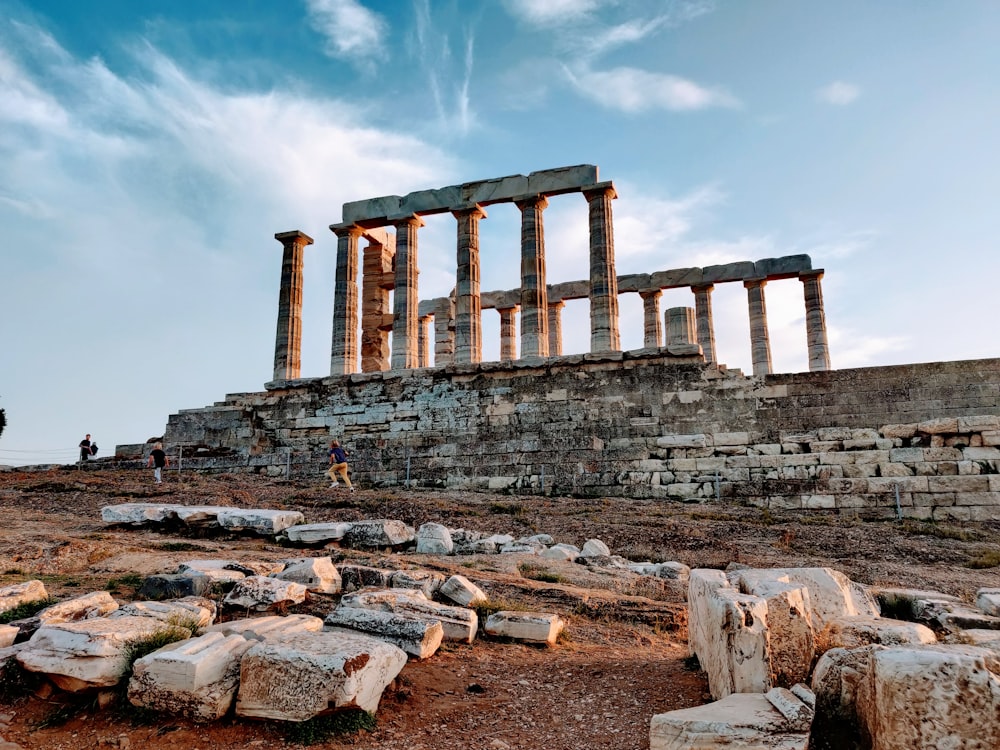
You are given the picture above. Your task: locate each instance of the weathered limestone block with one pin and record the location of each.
(594, 548)
(196, 678)
(8, 634)
(194, 611)
(864, 630)
(459, 623)
(378, 533)
(354, 577)
(522, 547)
(905, 604)
(728, 633)
(988, 600)
(744, 721)
(17, 594)
(831, 593)
(218, 570)
(87, 654)
(791, 634)
(260, 593)
(566, 552)
(297, 677)
(487, 545)
(268, 627)
(533, 627)
(951, 616)
(199, 516)
(176, 586)
(434, 539)
(418, 637)
(260, 521)
(85, 607)
(317, 533)
(426, 581)
(317, 574)
(463, 591)
(138, 514)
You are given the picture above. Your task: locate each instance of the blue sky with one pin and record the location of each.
(150, 150)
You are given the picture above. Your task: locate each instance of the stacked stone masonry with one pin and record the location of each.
(642, 424)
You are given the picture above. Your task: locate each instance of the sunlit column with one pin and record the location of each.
(651, 336)
(680, 326)
(555, 328)
(424, 341)
(819, 350)
(534, 294)
(703, 317)
(444, 332)
(760, 345)
(604, 334)
(508, 334)
(344, 347)
(405, 296)
(376, 317)
(288, 339)
(468, 305)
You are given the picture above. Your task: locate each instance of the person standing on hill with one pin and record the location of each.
(338, 465)
(85, 449)
(158, 459)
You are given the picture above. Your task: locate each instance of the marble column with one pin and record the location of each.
(651, 336)
(423, 341)
(288, 339)
(534, 293)
(819, 350)
(603, 278)
(681, 326)
(444, 331)
(468, 305)
(555, 328)
(376, 317)
(508, 333)
(705, 324)
(405, 296)
(344, 347)
(760, 345)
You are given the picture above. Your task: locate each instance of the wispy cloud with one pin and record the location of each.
(633, 90)
(838, 93)
(552, 12)
(448, 81)
(353, 32)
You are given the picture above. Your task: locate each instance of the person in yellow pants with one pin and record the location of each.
(338, 465)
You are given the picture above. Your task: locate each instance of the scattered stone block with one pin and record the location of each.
(87, 654)
(260, 593)
(864, 630)
(317, 533)
(16, 594)
(425, 581)
(198, 516)
(533, 627)
(317, 574)
(95, 604)
(195, 613)
(434, 539)
(567, 552)
(459, 623)
(269, 627)
(354, 577)
(748, 721)
(594, 548)
(176, 586)
(379, 533)
(298, 677)
(988, 600)
(487, 545)
(138, 514)
(417, 636)
(791, 635)
(218, 570)
(463, 591)
(8, 634)
(259, 521)
(196, 678)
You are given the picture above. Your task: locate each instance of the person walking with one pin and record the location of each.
(158, 460)
(338, 465)
(85, 450)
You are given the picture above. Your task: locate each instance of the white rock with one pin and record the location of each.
(94, 604)
(89, 653)
(21, 593)
(862, 630)
(988, 600)
(534, 627)
(354, 577)
(317, 533)
(217, 570)
(191, 611)
(490, 545)
(459, 623)
(594, 548)
(260, 593)
(426, 581)
(8, 634)
(317, 574)
(260, 521)
(138, 513)
(196, 678)
(417, 636)
(381, 532)
(198, 516)
(300, 676)
(743, 721)
(463, 591)
(566, 552)
(270, 627)
(434, 539)
(791, 636)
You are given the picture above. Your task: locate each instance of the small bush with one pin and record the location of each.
(535, 573)
(175, 629)
(16, 683)
(179, 547)
(487, 608)
(25, 609)
(511, 509)
(133, 580)
(989, 559)
(323, 728)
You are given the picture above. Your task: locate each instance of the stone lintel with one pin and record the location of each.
(677, 277)
(739, 271)
(785, 267)
(562, 179)
(371, 208)
(500, 300)
(634, 282)
(292, 235)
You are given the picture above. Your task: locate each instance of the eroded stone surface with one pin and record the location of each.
(434, 539)
(317, 533)
(261, 521)
(534, 627)
(463, 591)
(317, 574)
(260, 593)
(378, 533)
(269, 626)
(863, 630)
(21, 593)
(417, 636)
(459, 623)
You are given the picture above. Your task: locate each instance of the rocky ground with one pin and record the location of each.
(622, 658)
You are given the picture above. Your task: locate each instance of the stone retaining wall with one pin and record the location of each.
(643, 424)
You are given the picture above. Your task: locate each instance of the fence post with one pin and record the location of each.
(180, 459)
(288, 463)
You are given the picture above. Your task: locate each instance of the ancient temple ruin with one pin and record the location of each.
(388, 263)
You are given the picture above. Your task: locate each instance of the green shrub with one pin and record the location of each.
(322, 728)
(25, 609)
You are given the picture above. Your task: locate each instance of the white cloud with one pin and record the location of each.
(449, 87)
(633, 90)
(838, 93)
(552, 12)
(353, 32)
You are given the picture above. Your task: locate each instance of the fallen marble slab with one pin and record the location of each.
(379, 533)
(84, 607)
(317, 574)
(417, 636)
(434, 539)
(192, 612)
(462, 591)
(138, 514)
(317, 533)
(176, 586)
(261, 592)
(16, 594)
(533, 627)
(269, 626)
(458, 623)
(259, 521)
